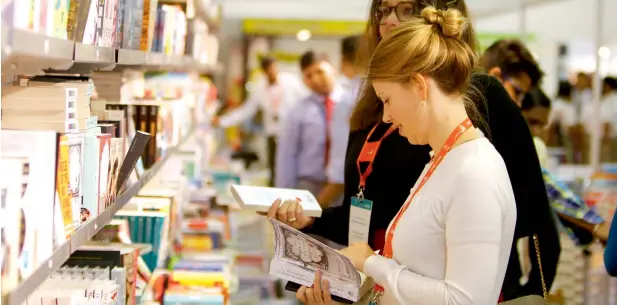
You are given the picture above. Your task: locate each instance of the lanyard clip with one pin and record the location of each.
(360, 194)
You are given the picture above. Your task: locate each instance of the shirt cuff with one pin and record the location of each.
(378, 267)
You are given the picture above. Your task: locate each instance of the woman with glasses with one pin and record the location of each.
(382, 166)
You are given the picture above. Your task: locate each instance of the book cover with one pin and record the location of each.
(99, 25)
(136, 149)
(91, 166)
(120, 19)
(10, 220)
(144, 43)
(104, 167)
(76, 156)
(63, 186)
(260, 199)
(297, 257)
(89, 35)
(116, 156)
(61, 14)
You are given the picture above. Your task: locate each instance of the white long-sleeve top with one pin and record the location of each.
(452, 244)
(287, 91)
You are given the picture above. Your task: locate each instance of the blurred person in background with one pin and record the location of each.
(510, 62)
(384, 179)
(561, 119)
(513, 65)
(350, 73)
(350, 83)
(609, 119)
(304, 142)
(579, 133)
(582, 223)
(274, 96)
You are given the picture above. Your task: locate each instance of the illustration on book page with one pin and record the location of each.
(297, 248)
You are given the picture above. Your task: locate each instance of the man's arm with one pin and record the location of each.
(287, 151)
(242, 113)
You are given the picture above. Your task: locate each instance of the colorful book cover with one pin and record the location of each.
(63, 185)
(120, 23)
(144, 43)
(76, 156)
(117, 156)
(104, 168)
(61, 16)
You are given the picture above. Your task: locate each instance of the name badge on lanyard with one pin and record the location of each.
(361, 207)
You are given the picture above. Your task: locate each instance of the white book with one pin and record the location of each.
(297, 257)
(259, 198)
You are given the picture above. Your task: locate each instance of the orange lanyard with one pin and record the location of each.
(454, 136)
(368, 154)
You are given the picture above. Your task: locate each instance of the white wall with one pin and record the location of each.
(570, 22)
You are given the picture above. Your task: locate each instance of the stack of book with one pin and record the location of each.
(66, 107)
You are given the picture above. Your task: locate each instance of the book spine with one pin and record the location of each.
(145, 25)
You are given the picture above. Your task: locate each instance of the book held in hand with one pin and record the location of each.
(259, 199)
(297, 257)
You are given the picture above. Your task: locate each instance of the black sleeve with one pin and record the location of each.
(511, 137)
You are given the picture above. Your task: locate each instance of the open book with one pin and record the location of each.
(259, 198)
(298, 256)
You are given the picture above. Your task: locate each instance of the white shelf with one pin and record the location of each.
(27, 52)
(81, 237)
(31, 52)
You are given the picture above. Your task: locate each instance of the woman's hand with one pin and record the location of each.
(601, 231)
(318, 294)
(290, 213)
(358, 253)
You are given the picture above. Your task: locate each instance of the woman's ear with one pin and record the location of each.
(420, 84)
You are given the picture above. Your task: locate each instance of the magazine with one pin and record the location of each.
(297, 257)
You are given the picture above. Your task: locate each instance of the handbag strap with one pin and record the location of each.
(536, 244)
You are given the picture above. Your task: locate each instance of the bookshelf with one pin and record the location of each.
(109, 71)
(26, 52)
(20, 294)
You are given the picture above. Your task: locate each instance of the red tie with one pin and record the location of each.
(329, 107)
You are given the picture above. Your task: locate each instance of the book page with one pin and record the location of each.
(297, 248)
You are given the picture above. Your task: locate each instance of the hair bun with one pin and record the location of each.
(451, 21)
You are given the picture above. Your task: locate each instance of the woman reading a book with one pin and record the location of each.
(450, 241)
(377, 184)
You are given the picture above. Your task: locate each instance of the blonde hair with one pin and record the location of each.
(368, 110)
(430, 46)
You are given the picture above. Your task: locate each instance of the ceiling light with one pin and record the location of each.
(303, 35)
(604, 52)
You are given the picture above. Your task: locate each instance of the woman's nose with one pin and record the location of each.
(386, 117)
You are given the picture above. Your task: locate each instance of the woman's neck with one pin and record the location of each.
(450, 117)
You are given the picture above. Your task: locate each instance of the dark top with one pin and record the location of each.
(610, 252)
(399, 164)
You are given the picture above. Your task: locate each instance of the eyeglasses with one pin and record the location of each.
(519, 92)
(403, 11)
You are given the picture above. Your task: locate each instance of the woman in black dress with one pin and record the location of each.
(397, 164)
